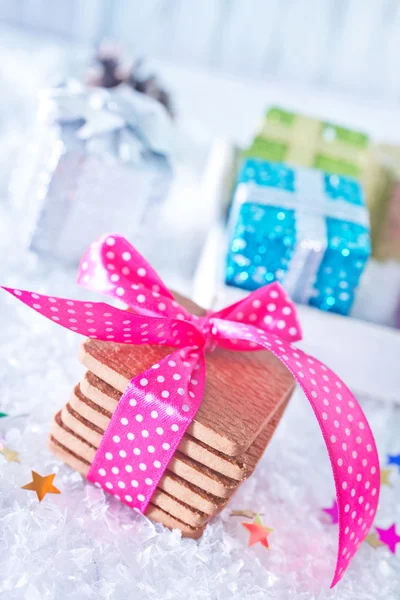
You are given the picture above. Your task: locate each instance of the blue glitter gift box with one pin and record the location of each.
(303, 227)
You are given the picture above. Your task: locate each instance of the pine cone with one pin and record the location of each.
(109, 73)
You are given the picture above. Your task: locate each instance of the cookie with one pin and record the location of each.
(62, 435)
(174, 485)
(181, 465)
(242, 391)
(88, 420)
(222, 445)
(153, 512)
(73, 431)
(96, 401)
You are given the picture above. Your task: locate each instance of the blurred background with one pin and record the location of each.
(233, 142)
(349, 46)
(216, 67)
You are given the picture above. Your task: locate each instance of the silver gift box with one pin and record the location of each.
(99, 162)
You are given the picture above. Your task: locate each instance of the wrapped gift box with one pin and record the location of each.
(97, 156)
(301, 140)
(205, 472)
(303, 227)
(385, 215)
(160, 420)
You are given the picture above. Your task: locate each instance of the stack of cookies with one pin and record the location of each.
(245, 397)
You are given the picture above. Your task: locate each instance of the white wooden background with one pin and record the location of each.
(344, 45)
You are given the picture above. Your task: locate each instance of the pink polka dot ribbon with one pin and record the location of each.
(160, 403)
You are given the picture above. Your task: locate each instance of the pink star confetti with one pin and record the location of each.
(333, 512)
(389, 537)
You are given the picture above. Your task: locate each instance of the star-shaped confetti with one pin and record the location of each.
(333, 512)
(385, 475)
(258, 532)
(373, 540)
(41, 485)
(389, 537)
(9, 455)
(394, 459)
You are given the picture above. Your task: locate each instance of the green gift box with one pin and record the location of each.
(305, 141)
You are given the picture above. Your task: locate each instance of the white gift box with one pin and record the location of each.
(99, 161)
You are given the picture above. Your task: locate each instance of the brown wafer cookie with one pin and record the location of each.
(181, 465)
(96, 401)
(175, 496)
(153, 512)
(243, 389)
(84, 417)
(70, 441)
(173, 485)
(234, 412)
(73, 431)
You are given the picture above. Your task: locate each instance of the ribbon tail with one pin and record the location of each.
(102, 321)
(147, 426)
(346, 432)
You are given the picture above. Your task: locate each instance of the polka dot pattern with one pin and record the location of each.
(112, 266)
(347, 435)
(147, 427)
(267, 308)
(159, 404)
(105, 322)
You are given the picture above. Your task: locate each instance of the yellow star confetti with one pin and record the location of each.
(9, 455)
(373, 540)
(248, 514)
(385, 474)
(41, 485)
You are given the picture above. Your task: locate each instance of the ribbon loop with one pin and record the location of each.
(267, 308)
(114, 267)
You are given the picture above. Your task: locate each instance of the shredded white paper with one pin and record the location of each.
(83, 544)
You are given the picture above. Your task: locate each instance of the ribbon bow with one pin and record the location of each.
(166, 397)
(144, 120)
